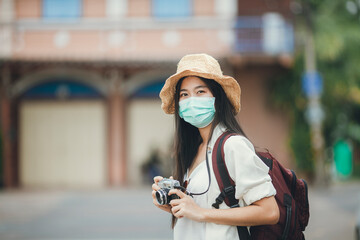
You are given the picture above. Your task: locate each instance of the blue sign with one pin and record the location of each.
(312, 84)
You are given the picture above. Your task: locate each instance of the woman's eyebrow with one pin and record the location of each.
(200, 86)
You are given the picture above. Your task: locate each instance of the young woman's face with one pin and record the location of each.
(194, 87)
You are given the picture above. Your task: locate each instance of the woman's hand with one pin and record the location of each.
(185, 207)
(155, 188)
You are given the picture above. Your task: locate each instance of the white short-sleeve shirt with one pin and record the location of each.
(252, 184)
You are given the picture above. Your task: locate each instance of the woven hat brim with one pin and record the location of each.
(229, 84)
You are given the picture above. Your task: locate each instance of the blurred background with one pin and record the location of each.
(79, 105)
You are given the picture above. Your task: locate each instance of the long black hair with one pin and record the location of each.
(187, 137)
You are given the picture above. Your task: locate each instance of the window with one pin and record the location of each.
(171, 8)
(116, 8)
(61, 88)
(63, 9)
(151, 90)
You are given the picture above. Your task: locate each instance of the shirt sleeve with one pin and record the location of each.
(248, 171)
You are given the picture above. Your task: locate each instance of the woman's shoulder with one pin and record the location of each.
(238, 142)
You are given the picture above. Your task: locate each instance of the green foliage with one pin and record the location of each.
(301, 145)
(286, 95)
(336, 29)
(338, 50)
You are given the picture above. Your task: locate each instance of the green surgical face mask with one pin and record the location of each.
(198, 111)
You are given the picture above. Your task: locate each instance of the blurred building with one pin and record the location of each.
(80, 81)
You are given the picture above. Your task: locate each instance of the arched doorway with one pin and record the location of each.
(149, 129)
(62, 135)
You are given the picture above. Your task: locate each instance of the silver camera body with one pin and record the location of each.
(162, 195)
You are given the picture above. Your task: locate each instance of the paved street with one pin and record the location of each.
(129, 214)
(333, 212)
(94, 214)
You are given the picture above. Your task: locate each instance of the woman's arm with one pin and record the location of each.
(261, 212)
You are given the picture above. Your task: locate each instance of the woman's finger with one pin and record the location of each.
(153, 194)
(155, 187)
(174, 210)
(177, 192)
(158, 179)
(166, 208)
(178, 213)
(175, 202)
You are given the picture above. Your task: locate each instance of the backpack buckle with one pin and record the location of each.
(219, 200)
(229, 190)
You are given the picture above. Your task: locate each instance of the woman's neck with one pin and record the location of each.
(205, 133)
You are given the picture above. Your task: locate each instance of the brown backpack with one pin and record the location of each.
(291, 197)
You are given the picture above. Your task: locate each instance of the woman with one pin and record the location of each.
(205, 103)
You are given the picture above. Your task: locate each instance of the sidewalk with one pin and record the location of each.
(129, 214)
(333, 212)
(94, 214)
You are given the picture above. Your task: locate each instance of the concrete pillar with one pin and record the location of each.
(6, 18)
(6, 130)
(7, 10)
(117, 131)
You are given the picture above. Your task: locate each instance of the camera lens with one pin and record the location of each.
(162, 197)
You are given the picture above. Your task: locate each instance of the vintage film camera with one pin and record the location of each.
(166, 185)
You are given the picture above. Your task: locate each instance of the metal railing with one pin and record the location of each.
(269, 34)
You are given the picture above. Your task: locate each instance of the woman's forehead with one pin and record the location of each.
(192, 82)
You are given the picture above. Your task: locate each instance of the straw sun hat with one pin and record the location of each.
(201, 65)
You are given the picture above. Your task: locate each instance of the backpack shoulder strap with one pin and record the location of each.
(226, 184)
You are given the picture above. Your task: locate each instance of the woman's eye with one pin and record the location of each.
(201, 91)
(183, 94)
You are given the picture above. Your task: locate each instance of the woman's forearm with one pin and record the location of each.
(264, 211)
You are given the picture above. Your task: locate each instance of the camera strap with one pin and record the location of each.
(208, 170)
